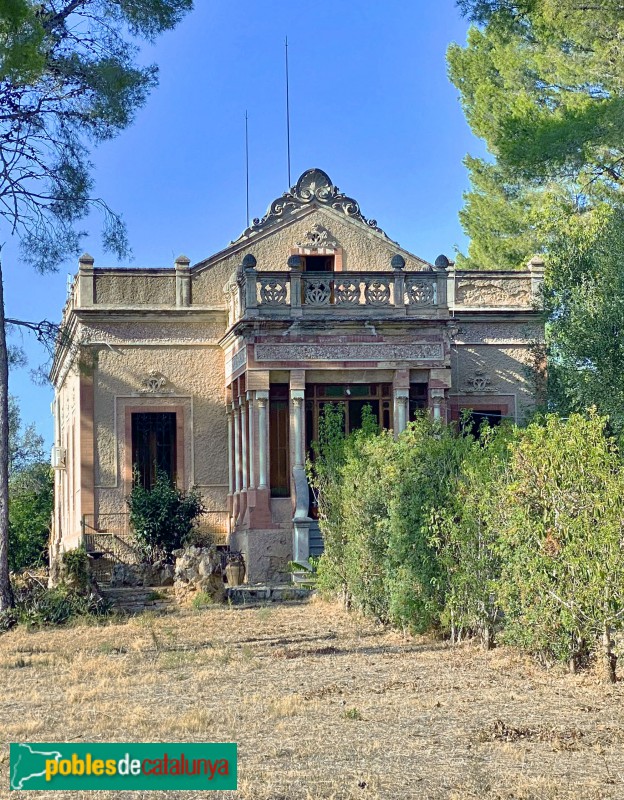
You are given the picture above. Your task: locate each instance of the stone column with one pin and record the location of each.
(437, 400)
(301, 520)
(401, 404)
(237, 470)
(258, 502)
(244, 460)
(230, 429)
(251, 406)
(262, 399)
(244, 444)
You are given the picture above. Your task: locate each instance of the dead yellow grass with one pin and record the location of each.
(322, 704)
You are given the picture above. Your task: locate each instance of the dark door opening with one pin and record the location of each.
(153, 447)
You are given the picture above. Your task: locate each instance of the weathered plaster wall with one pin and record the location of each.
(195, 388)
(362, 251)
(67, 481)
(128, 289)
(494, 359)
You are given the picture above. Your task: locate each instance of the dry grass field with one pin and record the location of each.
(321, 703)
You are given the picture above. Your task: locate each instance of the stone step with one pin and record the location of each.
(266, 593)
(134, 599)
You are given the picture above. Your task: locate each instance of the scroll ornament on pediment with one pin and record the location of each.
(314, 186)
(155, 383)
(480, 382)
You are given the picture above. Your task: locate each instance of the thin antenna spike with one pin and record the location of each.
(287, 115)
(247, 165)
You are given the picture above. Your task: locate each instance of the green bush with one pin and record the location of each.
(162, 517)
(466, 538)
(31, 498)
(36, 605)
(76, 567)
(515, 532)
(559, 515)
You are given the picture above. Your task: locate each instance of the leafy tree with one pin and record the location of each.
(427, 463)
(31, 500)
(559, 519)
(542, 82)
(324, 472)
(162, 517)
(368, 477)
(69, 79)
(467, 539)
(25, 444)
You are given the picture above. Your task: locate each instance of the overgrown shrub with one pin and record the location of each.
(162, 517)
(31, 498)
(466, 538)
(36, 605)
(519, 530)
(76, 568)
(560, 517)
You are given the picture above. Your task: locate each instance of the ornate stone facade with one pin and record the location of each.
(233, 359)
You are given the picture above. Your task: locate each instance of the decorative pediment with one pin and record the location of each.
(314, 186)
(155, 383)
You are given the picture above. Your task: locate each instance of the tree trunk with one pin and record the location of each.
(610, 659)
(6, 594)
(488, 636)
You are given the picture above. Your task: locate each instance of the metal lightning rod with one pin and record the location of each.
(287, 114)
(247, 166)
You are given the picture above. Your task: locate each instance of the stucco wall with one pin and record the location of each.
(128, 289)
(67, 481)
(490, 360)
(194, 389)
(362, 251)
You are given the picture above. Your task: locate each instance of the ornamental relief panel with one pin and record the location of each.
(155, 383)
(483, 292)
(479, 382)
(499, 333)
(318, 237)
(384, 351)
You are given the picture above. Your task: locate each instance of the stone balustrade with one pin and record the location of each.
(284, 294)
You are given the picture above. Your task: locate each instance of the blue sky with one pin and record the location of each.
(371, 104)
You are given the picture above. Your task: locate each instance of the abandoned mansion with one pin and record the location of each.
(217, 372)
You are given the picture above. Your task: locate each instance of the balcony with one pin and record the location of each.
(254, 294)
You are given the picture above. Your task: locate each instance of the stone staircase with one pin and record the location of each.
(136, 599)
(249, 593)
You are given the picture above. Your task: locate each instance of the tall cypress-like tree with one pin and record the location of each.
(69, 78)
(542, 82)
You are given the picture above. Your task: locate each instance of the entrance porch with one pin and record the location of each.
(273, 419)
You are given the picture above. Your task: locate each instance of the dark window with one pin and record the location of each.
(153, 446)
(279, 423)
(417, 399)
(473, 420)
(318, 263)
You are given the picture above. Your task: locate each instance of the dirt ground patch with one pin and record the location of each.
(322, 704)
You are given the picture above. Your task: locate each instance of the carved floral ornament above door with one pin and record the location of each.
(318, 237)
(479, 381)
(155, 383)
